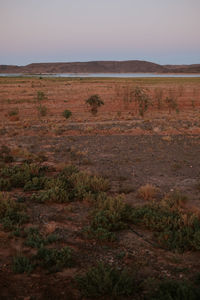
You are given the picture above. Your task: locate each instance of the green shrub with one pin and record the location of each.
(104, 280)
(70, 185)
(5, 184)
(67, 114)
(68, 171)
(11, 213)
(54, 259)
(36, 183)
(84, 184)
(22, 264)
(173, 229)
(20, 175)
(94, 102)
(108, 216)
(170, 289)
(142, 99)
(35, 239)
(174, 200)
(54, 194)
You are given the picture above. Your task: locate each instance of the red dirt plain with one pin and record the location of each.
(161, 148)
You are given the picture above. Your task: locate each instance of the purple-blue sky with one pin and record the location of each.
(162, 31)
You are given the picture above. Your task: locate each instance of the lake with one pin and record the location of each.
(110, 75)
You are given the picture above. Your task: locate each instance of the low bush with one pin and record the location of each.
(54, 260)
(67, 114)
(94, 102)
(147, 192)
(170, 289)
(11, 213)
(104, 280)
(24, 174)
(70, 185)
(56, 193)
(36, 183)
(5, 184)
(35, 239)
(142, 99)
(22, 264)
(175, 200)
(108, 216)
(84, 184)
(173, 228)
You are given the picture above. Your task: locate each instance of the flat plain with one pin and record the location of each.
(131, 201)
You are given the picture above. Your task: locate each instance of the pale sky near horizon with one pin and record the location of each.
(161, 31)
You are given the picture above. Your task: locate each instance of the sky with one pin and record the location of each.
(161, 31)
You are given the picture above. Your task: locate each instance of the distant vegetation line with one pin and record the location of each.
(129, 66)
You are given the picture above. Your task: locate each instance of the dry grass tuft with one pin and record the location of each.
(175, 200)
(147, 192)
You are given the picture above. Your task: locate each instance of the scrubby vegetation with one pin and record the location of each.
(71, 185)
(142, 99)
(12, 214)
(174, 228)
(35, 239)
(147, 192)
(108, 216)
(27, 176)
(169, 289)
(67, 113)
(105, 280)
(22, 264)
(94, 102)
(53, 259)
(30, 185)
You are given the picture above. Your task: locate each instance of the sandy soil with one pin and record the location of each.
(162, 148)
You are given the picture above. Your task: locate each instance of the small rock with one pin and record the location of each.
(156, 129)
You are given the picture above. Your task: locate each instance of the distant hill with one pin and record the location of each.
(130, 66)
(195, 68)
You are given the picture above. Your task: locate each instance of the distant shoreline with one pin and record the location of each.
(103, 75)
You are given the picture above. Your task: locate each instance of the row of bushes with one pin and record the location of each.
(106, 281)
(173, 227)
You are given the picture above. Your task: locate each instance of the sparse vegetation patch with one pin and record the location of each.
(105, 280)
(94, 102)
(67, 114)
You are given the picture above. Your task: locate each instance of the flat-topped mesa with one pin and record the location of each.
(129, 66)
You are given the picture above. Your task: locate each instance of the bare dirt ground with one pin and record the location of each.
(162, 148)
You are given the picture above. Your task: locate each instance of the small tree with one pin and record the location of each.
(67, 114)
(142, 98)
(172, 104)
(42, 110)
(94, 102)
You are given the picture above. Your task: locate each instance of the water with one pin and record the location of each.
(101, 75)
